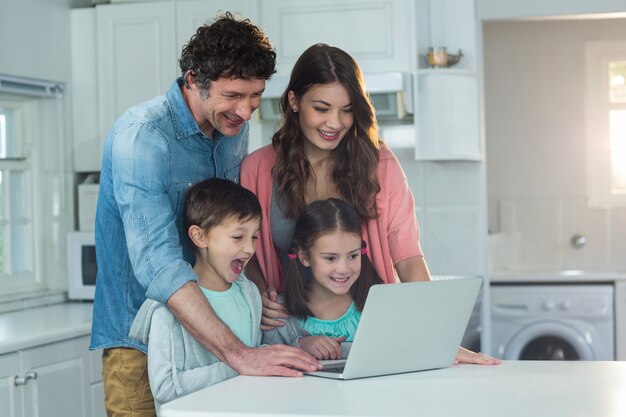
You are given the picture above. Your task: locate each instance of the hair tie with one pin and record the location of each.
(292, 254)
(363, 248)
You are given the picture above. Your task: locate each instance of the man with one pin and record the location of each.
(152, 155)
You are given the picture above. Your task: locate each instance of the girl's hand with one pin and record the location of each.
(272, 310)
(322, 347)
(467, 356)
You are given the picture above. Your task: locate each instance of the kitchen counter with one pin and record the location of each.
(573, 276)
(38, 326)
(513, 389)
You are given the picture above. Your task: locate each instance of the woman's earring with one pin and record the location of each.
(294, 110)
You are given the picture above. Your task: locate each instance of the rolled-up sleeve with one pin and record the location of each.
(141, 175)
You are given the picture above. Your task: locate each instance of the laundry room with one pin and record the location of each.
(557, 239)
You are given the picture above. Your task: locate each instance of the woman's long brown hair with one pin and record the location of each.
(354, 160)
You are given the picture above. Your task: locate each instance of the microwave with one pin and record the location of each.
(81, 265)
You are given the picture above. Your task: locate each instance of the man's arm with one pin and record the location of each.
(193, 311)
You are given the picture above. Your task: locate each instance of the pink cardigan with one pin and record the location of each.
(391, 238)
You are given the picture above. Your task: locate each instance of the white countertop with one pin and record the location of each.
(37, 326)
(573, 276)
(513, 389)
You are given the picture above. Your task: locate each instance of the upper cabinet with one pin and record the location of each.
(136, 55)
(379, 34)
(124, 54)
(448, 98)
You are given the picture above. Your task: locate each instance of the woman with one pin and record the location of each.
(327, 146)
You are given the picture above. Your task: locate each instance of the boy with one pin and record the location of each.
(222, 220)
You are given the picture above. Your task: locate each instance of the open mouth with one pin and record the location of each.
(340, 280)
(237, 266)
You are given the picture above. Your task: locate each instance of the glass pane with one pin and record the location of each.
(21, 248)
(2, 195)
(2, 250)
(618, 151)
(9, 132)
(617, 81)
(19, 195)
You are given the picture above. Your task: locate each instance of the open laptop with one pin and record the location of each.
(408, 327)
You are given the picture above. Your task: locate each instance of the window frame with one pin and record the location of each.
(30, 282)
(598, 55)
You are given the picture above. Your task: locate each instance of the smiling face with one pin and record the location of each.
(227, 104)
(224, 251)
(325, 115)
(335, 262)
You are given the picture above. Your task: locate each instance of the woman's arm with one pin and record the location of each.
(273, 311)
(413, 269)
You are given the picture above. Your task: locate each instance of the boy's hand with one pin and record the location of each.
(322, 347)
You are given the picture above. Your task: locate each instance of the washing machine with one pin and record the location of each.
(553, 322)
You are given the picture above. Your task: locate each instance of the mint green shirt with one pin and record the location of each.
(231, 307)
(345, 325)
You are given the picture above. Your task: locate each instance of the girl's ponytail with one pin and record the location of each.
(295, 287)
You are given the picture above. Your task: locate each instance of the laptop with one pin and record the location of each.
(408, 327)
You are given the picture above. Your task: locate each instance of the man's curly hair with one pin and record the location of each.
(227, 48)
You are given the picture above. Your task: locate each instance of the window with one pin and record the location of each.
(606, 123)
(17, 271)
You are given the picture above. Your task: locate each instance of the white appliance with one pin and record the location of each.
(391, 94)
(553, 322)
(81, 265)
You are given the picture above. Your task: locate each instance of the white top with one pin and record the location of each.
(513, 389)
(38, 326)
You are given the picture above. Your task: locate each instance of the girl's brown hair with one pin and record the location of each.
(317, 219)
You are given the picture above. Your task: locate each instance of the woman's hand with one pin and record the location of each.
(467, 356)
(322, 347)
(272, 310)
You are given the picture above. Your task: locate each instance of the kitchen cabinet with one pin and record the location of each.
(448, 99)
(124, 54)
(50, 380)
(379, 34)
(136, 57)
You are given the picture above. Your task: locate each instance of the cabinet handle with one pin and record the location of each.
(23, 380)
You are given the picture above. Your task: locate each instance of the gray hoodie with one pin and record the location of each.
(177, 364)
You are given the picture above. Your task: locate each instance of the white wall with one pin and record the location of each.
(535, 141)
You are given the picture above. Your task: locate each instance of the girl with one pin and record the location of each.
(327, 281)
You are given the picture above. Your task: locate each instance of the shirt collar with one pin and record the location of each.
(184, 123)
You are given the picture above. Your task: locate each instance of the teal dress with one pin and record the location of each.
(345, 325)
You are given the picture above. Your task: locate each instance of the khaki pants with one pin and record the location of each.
(126, 386)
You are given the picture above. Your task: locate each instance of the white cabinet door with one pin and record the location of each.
(191, 14)
(136, 56)
(60, 388)
(379, 34)
(10, 395)
(84, 90)
(95, 384)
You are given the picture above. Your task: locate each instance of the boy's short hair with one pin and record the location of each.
(210, 202)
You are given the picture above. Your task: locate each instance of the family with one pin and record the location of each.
(214, 263)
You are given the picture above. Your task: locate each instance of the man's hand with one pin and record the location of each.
(322, 347)
(275, 360)
(272, 310)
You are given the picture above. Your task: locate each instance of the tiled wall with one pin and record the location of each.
(536, 235)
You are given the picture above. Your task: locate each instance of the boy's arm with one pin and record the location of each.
(192, 310)
(165, 346)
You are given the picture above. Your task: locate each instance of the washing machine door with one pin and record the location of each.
(549, 340)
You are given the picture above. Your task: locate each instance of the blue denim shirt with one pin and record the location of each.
(152, 155)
